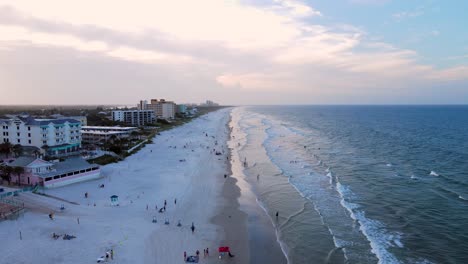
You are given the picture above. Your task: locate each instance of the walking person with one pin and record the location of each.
(185, 256)
(112, 254)
(207, 252)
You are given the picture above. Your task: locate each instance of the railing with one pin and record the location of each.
(14, 193)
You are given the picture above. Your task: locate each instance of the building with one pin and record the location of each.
(134, 117)
(182, 109)
(162, 108)
(83, 120)
(58, 137)
(100, 134)
(209, 103)
(50, 174)
(142, 105)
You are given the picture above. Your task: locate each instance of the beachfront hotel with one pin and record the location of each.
(58, 137)
(134, 117)
(162, 108)
(100, 134)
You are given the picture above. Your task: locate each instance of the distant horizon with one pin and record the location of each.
(331, 104)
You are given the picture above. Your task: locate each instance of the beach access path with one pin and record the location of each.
(180, 167)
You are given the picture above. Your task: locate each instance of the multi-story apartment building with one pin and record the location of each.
(58, 137)
(134, 117)
(163, 108)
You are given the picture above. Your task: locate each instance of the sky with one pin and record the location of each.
(234, 52)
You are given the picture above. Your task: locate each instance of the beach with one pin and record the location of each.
(186, 170)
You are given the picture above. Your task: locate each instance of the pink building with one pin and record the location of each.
(54, 174)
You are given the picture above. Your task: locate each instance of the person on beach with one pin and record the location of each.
(193, 228)
(198, 253)
(277, 214)
(258, 177)
(165, 202)
(86, 195)
(207, 253)
(112, 254)
(185, 256)
(175, 201)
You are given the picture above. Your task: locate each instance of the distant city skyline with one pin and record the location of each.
(234, 52)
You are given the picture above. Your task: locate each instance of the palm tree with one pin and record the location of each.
(17, 150)
(135, 134)
(18, 171)
(5, 148)
(112, 138)
(6, 173)
(36, 153)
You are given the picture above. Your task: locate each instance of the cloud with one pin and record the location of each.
(407, 14)
(297, 8)
(225, 50)
(373, 2)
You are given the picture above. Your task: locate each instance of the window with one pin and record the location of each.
(44, 142)
(29, 141)
(19, 140)
(17, 127)
(29, 134)
(18, 134)
(29, 128)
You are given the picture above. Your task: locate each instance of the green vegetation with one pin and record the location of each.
(105, 159)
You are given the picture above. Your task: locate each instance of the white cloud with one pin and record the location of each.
(237, 47)
(297, 8)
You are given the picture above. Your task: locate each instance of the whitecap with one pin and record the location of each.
(433, 173)
(389, 165)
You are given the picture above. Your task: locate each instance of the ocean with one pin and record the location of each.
(360, 184)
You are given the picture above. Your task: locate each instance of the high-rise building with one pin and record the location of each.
(142, 105)
(162, 108)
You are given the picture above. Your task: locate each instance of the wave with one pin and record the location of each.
(433, 173)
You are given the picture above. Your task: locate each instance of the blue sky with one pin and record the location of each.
(436, 29)
(234, 51)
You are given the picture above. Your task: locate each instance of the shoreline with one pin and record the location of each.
(180, 164)
(246, 225)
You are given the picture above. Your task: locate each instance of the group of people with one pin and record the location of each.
(206, 253)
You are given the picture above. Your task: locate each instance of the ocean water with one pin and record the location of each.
(360, 184)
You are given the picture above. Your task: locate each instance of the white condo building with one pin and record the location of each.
(61, 136)
(134, 117)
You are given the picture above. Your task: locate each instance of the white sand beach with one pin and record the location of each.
(164, 170)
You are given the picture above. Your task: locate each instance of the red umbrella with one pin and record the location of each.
(223, 249)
